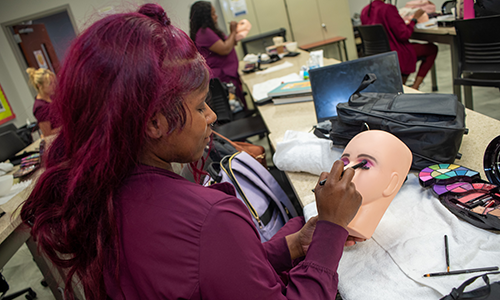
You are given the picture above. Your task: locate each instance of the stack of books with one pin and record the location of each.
(291, 92)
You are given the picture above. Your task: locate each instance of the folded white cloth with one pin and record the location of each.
(304, 152)
(408, 243)
(5, 168)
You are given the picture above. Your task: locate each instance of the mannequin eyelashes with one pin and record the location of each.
(361, 165)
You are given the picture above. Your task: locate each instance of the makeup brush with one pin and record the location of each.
(361, 164)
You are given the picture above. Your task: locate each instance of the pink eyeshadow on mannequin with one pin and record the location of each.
(389, 161)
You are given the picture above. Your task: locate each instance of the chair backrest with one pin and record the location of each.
(258, 43)
(375, 40)
(10, 144)
(479, 45)
(219, 101)
(447, 6)
(8, 127)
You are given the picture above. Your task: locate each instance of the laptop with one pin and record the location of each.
(334, 84)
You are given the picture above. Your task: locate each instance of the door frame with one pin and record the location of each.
(13, 44)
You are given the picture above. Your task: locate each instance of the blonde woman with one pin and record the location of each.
(43, 81)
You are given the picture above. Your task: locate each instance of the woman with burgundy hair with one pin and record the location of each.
(109, 210)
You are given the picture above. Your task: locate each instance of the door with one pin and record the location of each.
(36, 46)
(305, 21)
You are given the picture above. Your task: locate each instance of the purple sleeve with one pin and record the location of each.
(401, 31)
(234, 263)
(205, 38)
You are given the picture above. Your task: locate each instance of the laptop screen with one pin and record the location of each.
(334, 84)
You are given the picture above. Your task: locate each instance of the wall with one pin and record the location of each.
(12, 76)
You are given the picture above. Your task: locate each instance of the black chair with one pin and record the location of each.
(234, 127)
(10, 144)
(259, 42)
(447, 6)
(4, 287)
(478, 54)
(375, 41)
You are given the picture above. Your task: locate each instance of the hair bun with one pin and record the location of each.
(156, 12)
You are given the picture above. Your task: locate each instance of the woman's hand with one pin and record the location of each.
(337, 200)
(418, 13)
(232, 26)
(299, 242)
(351, 241)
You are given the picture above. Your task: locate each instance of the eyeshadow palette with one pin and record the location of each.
(443, 174)
(463, 192)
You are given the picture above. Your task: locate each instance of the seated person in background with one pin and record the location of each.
(109, 209)
(215, 47)
(378, 12)
(44, 81)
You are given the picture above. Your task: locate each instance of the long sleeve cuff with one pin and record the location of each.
(327, 245)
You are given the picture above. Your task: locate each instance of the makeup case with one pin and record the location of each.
(431, 125)
(464, 193)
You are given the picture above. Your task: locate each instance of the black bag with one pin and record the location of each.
(488, 292)
(431, 125)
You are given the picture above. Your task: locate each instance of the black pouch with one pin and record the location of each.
(431, 125)
(488, 292)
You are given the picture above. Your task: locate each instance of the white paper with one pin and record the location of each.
(260, 90)
(238, 7)
(284, 65)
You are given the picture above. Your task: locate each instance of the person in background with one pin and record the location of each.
(44, 81)
(398, 32)
(215, 46)
(109, 210)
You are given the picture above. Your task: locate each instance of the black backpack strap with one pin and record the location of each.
(321, 133)
(367, 80)
(214, 171)
(457, 293)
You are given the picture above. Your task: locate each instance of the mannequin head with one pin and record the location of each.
(242, 29)
(389, 161)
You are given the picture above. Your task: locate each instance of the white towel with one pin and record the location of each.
(304, 152)
(408, 243)
(14, 190)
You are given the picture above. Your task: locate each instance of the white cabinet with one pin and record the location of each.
(317, 20)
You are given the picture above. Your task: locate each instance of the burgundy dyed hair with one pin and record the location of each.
(117, 74)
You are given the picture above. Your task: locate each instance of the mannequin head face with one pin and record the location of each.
(389, 161)
(242, 29)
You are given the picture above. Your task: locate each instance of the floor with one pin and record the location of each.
(22, 272)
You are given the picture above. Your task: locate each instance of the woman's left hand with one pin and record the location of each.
(305, 234)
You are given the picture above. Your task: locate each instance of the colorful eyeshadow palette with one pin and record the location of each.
(463, 187)
(443, 174)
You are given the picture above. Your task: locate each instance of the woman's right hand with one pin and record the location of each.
(418, 13)
(337, 200)
(232, 26)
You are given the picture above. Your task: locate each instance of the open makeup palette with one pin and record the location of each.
(463, 191)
